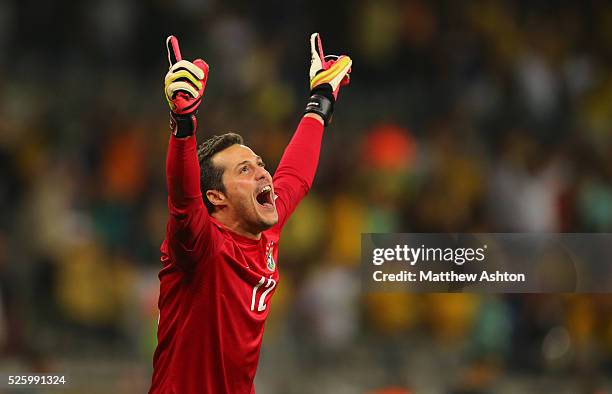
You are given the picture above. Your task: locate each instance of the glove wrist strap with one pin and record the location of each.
(183, 125)
(321, 102)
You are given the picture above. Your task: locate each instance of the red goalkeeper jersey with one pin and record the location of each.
(215, 285)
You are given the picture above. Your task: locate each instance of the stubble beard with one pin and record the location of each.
(251, 219)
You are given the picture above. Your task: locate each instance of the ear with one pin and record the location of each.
(216, 197)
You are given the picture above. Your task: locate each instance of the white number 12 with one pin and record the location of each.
(269, 286)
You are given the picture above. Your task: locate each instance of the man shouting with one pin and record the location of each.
(226, 214)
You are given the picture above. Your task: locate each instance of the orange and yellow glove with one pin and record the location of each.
(184, 86)
(327, 75)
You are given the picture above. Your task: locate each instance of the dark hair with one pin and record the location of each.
(211, 177)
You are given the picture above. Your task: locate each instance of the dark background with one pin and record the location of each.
(479, 116)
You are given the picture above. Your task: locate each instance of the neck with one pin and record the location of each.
(235, 225)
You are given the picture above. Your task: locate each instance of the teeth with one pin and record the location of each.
(266, 189)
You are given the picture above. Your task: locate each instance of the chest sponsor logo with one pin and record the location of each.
(270, 263)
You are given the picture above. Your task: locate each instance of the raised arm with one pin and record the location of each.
(188, 222)
(297, 167)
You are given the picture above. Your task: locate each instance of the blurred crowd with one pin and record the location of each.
(480, 116)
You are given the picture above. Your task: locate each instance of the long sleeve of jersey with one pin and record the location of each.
(296, 170)
(188, 220)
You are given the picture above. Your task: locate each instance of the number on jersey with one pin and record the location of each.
(270, 284)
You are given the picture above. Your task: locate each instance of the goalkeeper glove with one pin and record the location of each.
(327, 75)
(184, 86)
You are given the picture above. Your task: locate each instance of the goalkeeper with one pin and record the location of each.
(226, 213)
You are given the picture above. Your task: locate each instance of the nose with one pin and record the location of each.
(261, 173)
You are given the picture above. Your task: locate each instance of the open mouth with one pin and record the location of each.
(264, 197)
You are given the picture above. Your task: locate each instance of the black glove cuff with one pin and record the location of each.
(321, 102)
(183, 125)
(324, 90)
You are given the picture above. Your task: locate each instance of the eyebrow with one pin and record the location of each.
(257, 158)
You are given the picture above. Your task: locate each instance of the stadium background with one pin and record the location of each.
(480, 116)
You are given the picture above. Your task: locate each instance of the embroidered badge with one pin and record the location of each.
(271, 264)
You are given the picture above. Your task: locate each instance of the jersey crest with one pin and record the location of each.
(271, 264)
